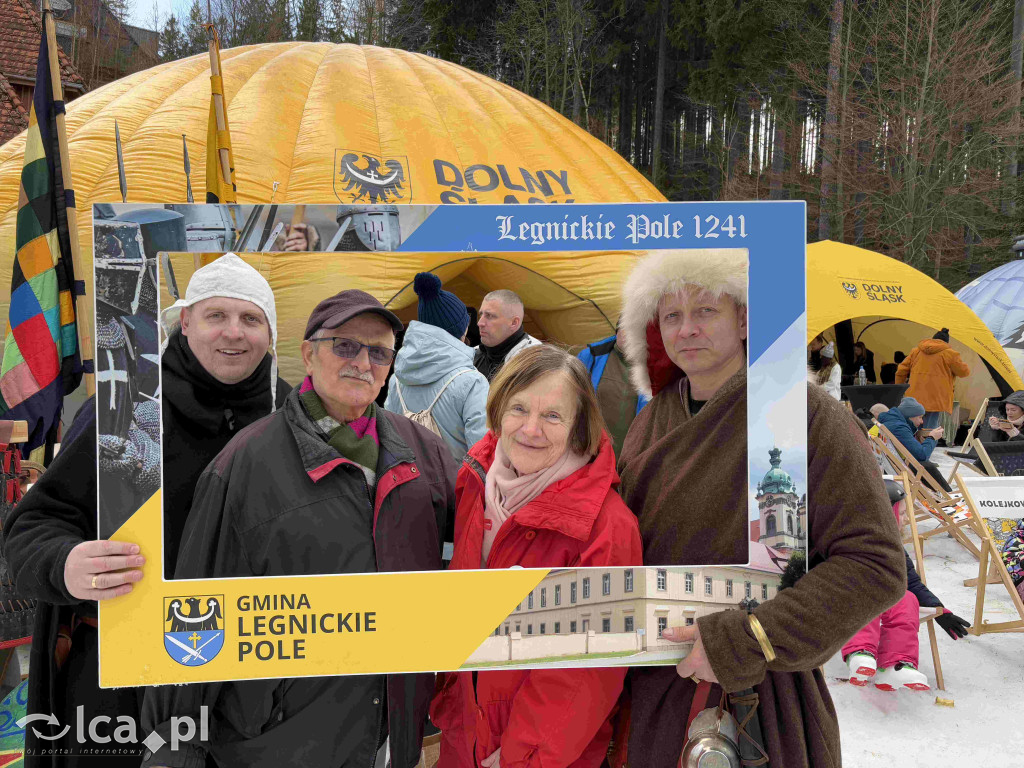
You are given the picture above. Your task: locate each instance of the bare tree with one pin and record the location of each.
(929, 120)
(1016, 60)
(830, 136)
(659, 90)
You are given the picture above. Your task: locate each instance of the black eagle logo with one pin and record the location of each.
(195, 620)
(370, 181)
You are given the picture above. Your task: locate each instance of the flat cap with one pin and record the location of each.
(342, 307)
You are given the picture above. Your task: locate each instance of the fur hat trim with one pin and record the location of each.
(720, 271)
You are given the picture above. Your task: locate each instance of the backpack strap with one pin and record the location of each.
(398, 391)
(430, 407)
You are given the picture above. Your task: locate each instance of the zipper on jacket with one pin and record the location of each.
(477, 467)
(382, 698)
(373, 504)
(500, 536)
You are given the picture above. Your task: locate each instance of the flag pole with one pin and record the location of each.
(218, 108)
(83, 317)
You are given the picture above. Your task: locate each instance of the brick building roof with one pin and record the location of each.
(13, 118)
(19, 45)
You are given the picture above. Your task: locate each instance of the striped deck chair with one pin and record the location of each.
(931, 503)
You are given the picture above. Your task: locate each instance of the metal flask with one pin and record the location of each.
(712, 741)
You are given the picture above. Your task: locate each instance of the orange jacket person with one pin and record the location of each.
(931, 368)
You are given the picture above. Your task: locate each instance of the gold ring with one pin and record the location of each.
(95, 576)
(695, 679)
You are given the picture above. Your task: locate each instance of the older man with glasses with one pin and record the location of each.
(329, 483)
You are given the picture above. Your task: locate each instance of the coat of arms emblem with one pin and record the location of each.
(361, 177)
(193, 628)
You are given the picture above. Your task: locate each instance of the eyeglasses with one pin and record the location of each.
(350, 348)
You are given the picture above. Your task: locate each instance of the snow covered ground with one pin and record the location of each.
(984, 677)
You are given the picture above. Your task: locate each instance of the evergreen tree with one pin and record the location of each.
(196, 38)
(172, 42)
(309, 21)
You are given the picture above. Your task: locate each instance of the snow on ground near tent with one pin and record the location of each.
(984, 677)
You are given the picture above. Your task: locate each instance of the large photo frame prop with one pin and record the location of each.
(568, 263)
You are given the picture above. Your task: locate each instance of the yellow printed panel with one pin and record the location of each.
(238, 629)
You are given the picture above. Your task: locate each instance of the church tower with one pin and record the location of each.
(783, 517)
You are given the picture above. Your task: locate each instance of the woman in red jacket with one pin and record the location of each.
(539, 491)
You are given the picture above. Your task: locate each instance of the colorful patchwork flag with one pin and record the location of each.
(41, 362)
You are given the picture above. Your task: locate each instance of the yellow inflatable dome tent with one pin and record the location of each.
(309, 117)
(893, 306)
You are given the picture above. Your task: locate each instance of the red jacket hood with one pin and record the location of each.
(569, 506)
(660, 369)
(933, 346)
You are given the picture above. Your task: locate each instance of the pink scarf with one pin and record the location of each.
(506, 491)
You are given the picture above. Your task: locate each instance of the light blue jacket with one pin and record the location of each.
(428, 358)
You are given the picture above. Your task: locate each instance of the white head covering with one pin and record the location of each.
(829, 350)
(229, 277)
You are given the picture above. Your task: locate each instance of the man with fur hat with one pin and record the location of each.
(434, 374)
(218, 377)
(906, 421)
(350, 488)
(684, 474)
(932, 367)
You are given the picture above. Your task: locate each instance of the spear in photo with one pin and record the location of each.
(188, 171)
(121, 180)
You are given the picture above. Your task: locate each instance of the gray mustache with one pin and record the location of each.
(364, 377)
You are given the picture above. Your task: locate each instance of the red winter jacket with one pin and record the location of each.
(551, 717)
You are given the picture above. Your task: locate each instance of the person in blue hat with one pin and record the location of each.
(905, 422)
(435, 382)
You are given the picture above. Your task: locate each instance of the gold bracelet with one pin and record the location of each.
(761, 637)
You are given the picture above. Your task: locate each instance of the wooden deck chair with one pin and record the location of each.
(928, 615)
(990, 556)
(965, 457)
(887, 467)
(930, 501)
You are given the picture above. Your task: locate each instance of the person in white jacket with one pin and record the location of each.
(828, 373)
(434, 369)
